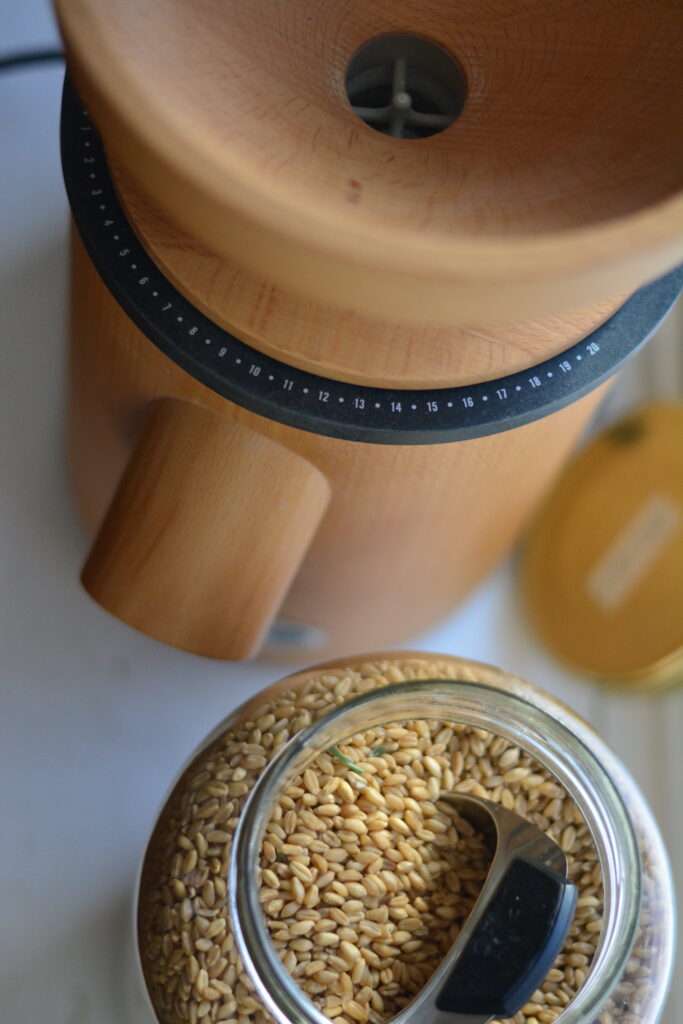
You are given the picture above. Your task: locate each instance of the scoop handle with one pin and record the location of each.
(513, 946)
(206, 531)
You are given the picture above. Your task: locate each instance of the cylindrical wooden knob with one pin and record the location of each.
(205, 533)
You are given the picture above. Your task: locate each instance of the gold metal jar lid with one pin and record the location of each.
(602, 571)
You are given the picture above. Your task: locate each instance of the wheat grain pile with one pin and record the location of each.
(366, 876)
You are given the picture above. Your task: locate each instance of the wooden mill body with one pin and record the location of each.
(203, 557)
(210, 520)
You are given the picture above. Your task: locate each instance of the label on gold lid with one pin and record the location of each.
(634, 551)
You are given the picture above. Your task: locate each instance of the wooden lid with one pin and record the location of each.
(603, 569)
(559, 182)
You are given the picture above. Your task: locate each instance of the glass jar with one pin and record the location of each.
(198, 903)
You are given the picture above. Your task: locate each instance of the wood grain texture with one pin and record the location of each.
(409, 529)
(559, 184)
(340, 343)
(205, 532)
(281, 215)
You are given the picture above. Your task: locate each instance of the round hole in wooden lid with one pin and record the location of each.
(557, 183)
(602, 572)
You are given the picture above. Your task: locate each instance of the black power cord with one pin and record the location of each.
(24, 58)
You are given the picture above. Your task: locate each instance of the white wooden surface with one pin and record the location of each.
(94, 718)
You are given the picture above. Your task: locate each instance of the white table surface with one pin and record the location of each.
(94, 718)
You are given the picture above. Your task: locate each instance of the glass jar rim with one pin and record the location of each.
(543, 728)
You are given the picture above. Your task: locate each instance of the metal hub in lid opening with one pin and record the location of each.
(405, 87)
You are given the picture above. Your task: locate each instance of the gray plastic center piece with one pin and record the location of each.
(405, 87)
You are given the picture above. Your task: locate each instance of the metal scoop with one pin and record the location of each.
(516, 929)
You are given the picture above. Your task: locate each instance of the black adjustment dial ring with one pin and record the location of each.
(304, 400)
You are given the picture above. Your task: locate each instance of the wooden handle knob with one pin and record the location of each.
(205, 532)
